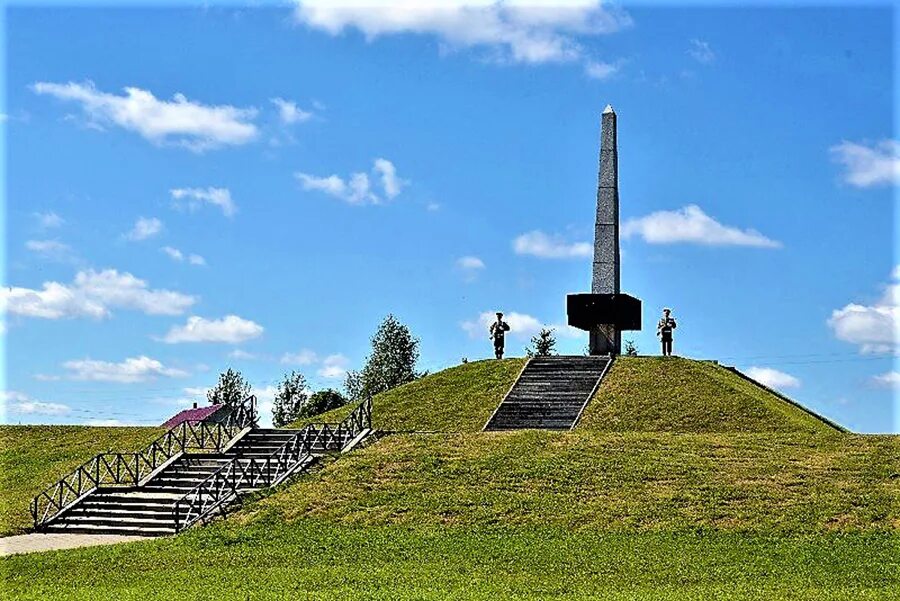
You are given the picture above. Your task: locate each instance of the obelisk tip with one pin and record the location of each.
(608, 109)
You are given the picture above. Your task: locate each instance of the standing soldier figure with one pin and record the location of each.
(664, 330)
(498, 334)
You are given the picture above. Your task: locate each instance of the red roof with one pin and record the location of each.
(191, 415)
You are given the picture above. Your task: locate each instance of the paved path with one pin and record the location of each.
(31, 543)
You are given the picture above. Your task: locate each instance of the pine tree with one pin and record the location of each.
(543, 344)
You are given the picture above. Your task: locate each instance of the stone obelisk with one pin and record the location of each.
(605, 277)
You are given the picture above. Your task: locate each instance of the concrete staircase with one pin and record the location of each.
(148, 509)
(550, 394)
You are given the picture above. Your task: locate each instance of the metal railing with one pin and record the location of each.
(224, 486)
(129, 469)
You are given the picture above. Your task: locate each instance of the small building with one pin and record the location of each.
(210, 413)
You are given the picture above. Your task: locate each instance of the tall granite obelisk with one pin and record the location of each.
(606, 338)
(606, 312)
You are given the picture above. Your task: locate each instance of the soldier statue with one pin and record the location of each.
(498, 334)
(664, 330)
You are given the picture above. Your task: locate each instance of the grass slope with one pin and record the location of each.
(656, 394)
(34, 457)
(459, 399)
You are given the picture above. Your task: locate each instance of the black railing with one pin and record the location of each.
(244, 473)
(129, 469)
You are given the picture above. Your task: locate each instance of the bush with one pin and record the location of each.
(542, 345)
(322, 401)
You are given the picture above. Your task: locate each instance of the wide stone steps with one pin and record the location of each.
(149, 509)
(550, 393)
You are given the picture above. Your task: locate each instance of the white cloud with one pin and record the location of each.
(145, 228)
(539, 244)
(241, 354)
(134, 369)
(302, 357)
(873, 328)
(521, 325)
(230, 329)
(520, 32)
(600, 69)
(357, 189)
(691, 225)
(197, 197)
(179, 122)
(890, 379)
(334, 366)
(18, 402)
(390, 183)
(433, 207)
(289, 112)
(48, 220)
(177, 255)
(93, 294)
(701, 52)
(50, 249)
(470, 263)
(868, 165)
(773, 378)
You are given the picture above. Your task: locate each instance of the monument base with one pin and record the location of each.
(604, 316)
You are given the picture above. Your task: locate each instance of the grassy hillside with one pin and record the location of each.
(459, 399)
(610, 482)
(672, 394)
(34, 457)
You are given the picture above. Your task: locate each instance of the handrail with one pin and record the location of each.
(225, 484)
(109, 469)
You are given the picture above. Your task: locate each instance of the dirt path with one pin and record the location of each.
(32, 543)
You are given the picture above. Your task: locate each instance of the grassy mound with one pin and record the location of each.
(459, 399)
(34, 457)
(612, 482)
(672, 394)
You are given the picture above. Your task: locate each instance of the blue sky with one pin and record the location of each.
(191, 188)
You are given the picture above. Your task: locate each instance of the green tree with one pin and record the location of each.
(231, 389)
(291, 396)
(322, 401)
(631, 349)
(395, 352)
(542, 345)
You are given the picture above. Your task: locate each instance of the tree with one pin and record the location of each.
(230, 390)
(543, 344)
(291, 397)
(631, 350)
(395, 352)
(322, 401)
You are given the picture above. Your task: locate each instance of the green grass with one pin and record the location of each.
(785, 483)
(713, 489)
(459, 399)
(314, 559)
(672, 394)
(34, 457)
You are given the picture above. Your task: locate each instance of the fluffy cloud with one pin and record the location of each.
(194, 198)
(873, 328)
(868, 165)
(230, 329)
(516, 31)
(17, 402)
(539, 244)
(357, 189)
(302, 357)
(691, 225)
(289, 112)
(600, 70)
(93, 294)
(177, 255)
(144, 228)
(134, 369)
(470, 266)
(50, 249)
(773, 378)
(48, 220)
(701, 52)
(890, 379)
(334, 367)
(179, 122)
